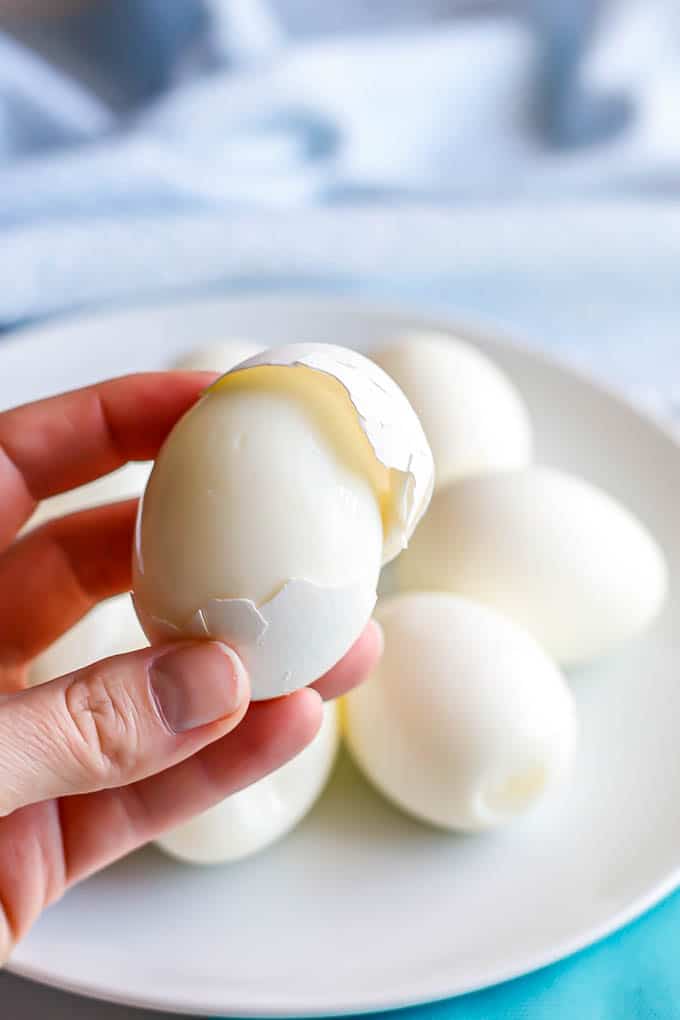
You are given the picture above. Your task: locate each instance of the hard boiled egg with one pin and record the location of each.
(551, 551)
(465, 723)
(273, 504)
(251, 819)
(473, 416)
(219, 357)
(111, 628)
(125, 483)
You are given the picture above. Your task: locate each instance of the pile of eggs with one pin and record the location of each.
(269, 520)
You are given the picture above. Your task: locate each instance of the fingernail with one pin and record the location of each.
(197, 684)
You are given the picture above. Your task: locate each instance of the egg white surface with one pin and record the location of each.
(551, 551)
(473, 416)
(268, 513)
(465, 723)
(126, 483)
(218, 357)
(111, 628)
(255, 817)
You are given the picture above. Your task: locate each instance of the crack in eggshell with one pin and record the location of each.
(288, 641)
(386, 418)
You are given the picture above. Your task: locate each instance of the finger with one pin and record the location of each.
(117, 721)
(54, 575)
(362, 657)
(46, 847)
(56, 444)
(100, 828)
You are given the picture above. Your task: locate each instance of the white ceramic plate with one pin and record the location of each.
(362, 908)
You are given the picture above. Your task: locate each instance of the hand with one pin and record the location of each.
(96, 763)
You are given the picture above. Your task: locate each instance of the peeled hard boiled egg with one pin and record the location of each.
(473, 417)
(551, 551)
(125, 483)
(251, 819)
(465, 722)
(272, 506)
(219, 357)
(111, 628)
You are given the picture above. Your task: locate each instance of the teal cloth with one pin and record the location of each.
(632, 975)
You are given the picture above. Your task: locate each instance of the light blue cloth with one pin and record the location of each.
(213, 107)
(200, 105)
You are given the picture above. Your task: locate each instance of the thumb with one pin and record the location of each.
(118, 721)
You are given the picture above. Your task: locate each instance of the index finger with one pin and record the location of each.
(56, 444)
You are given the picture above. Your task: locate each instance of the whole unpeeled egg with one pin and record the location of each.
(273, 504)
(473, 416)
(465, 722)
(549, 550)
(252, 819)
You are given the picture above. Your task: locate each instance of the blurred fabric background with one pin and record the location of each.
(155, 146)
(122, 105)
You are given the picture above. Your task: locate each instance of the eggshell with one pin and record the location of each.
(111, 628)
(387, 420)
(465, 722)
(219, 357)
(552, 552)
(473, 416)
(252, 819)
(265, 518)
(125, 483)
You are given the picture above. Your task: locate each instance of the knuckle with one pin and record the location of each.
(103, 727)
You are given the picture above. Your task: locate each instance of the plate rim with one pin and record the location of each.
(426, 316)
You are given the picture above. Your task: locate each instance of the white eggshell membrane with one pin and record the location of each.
(554, 553)
(465, 723)
(265, 518)
(473, 416)
(252, 819)
(111, 628)
(218, 357)
(125, 483)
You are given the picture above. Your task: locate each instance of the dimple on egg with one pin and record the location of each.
(272, 506)
(465, 723)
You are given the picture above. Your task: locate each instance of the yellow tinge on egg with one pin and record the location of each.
(272, 507)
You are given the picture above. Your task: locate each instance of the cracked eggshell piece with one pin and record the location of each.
(219, 357)
(301, 632)
(405, 468)
(472, 414)
(465, 723)
(554, 553)
(111, 628)
(126, 483)
(266, 516)
(252, 819)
